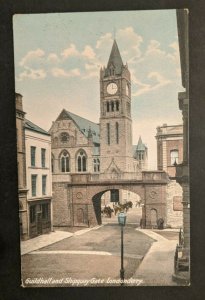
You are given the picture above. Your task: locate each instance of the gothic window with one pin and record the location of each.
(64, 162)
(108, 133)
(112, 105)
(108, 106)
(81, 161)
(117, 105)
(117, 132)
(96, 164)
(174, 154)
(64, 137)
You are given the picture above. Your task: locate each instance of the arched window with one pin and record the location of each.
(112, 106)
(117, 132)
(174, 154)
(108, 106)
(65, 162)
(117, 105)
(96, 165)
(81, 161)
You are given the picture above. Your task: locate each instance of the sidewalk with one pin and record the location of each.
(49, 238)
(157, 267)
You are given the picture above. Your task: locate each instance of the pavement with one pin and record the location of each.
(157, 267)
(49, 239)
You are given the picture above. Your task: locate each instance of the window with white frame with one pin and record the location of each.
(33, 156)
(33, 185)
(43, 158)
(174, 155)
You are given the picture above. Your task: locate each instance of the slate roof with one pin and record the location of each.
(84, 125)
(33, 127)
(115, 59)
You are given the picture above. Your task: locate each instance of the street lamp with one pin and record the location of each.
(122, 221)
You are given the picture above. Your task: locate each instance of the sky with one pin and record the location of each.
(58, 57)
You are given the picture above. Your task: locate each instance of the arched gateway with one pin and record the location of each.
(83, 194)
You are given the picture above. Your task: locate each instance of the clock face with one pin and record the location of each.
(112, 88)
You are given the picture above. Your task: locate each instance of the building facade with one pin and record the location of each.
(38, 174)
(21, 163)
(169, 154)
(105, 150)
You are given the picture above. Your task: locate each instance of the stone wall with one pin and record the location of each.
(174, 209)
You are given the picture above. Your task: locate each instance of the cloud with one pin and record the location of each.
(30, 56)
(154, 49)
(53, 58)
(104, 41)
(158, 82)
(29, 73)
(58, 72)
(88, 52)
(70, 51)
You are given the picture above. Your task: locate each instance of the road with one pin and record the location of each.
(92, 258)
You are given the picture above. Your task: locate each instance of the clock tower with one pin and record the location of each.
(115, 116)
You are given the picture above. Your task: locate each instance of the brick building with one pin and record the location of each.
(169, 154)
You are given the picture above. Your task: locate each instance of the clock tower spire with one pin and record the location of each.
(115, 115)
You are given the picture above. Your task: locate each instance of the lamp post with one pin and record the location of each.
(122, 221)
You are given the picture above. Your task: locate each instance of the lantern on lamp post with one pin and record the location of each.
(122, 222)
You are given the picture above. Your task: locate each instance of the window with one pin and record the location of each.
(81, 161)
(32, 214)
(64, 162)
(52, 163)
(33, 156)
(112, 106)
(117, 132)
(43, 158)
(117, 105)
(33, 185)
(174, 154)
(108, 106)
(64, 137)
(44, 177)
(108, 133)
(45, 211)
(96, 164)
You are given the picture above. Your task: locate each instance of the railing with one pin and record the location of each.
(154, 175)
(180, 263)
(62, 177)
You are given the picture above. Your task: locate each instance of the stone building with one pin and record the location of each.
(169, 148)
(182, 255)
(169, 154)
(21, 162)
(38, 174)
(105, 150)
